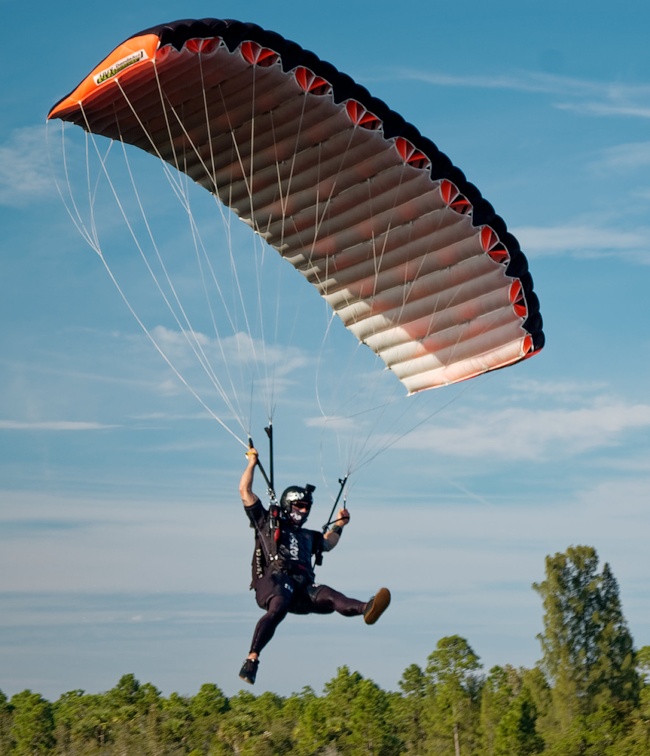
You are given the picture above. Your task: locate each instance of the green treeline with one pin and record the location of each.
(588, 696)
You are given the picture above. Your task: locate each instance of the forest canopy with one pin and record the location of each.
(587, 696)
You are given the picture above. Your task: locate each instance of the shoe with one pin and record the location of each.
(376, 606)
(249, 671)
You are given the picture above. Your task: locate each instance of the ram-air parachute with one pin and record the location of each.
(402, 247)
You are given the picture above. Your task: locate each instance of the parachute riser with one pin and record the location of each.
(268, 481)
(274, 509)
(269, 432)
(330, 520)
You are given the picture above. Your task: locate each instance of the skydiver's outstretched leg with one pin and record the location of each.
(326, 600)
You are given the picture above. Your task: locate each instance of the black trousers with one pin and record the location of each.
(280, 594)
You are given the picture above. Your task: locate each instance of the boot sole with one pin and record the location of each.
(379, 605)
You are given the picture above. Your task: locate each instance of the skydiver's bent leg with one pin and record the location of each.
(274, 593)
(325, 600)
(277, 609)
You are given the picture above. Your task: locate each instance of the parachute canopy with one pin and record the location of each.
(404, 249)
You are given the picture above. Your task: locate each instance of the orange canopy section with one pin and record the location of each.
(129, 55)
(405, 250)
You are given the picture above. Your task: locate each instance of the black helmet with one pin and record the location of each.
(297, 495)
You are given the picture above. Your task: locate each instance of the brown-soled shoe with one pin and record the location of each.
(376, 606)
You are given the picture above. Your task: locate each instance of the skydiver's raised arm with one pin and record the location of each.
(332, 536)
(246, 482)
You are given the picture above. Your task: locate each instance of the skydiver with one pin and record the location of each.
(283, 575)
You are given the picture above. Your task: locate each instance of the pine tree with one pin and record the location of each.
(455, 682)
(32, 730)
(370, 731)
(5, 723)
(500, 688)
(637, 742)
(407, 709)
(206, 710)
(588, 654)
(516, 734)
(615, 680)
(176, 722)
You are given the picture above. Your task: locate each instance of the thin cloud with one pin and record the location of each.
(54, 425)
(584, 241)
(238, 348)
(588, 97)
(560, 391)
(626, 157)
(332, 423)
(24, 170)
(607, 109)
(530, 434)
(524, 81)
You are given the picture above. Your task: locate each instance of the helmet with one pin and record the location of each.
(297, 495)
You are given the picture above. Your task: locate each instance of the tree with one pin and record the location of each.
(93, 723)
(588, 653)
(353, 717)
(499, 689)
(331, 715)
(311, 734)
(615, 681)
(5, 724)
(249, 727)
(71, 733)
(370, 731)
(32, 730)
(453, 671)
(407, 710)
(516, 733)
(206, 709)
(176, 725)
(637, 741)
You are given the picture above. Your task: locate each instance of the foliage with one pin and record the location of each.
(588, 654)
(454, 685)
(32, 727)
(499, 691)
(516, 732)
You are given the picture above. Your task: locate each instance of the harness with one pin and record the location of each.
(266, 551)
(268, 554)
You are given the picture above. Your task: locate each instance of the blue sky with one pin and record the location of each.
(122, 544)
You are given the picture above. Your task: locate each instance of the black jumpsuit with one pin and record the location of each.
(283, 575)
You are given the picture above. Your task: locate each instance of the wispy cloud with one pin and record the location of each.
(332, 423)
(24, 170)
(567, 390)
(626, 157)
(585, 240)
(53, 425)
(534, 433)
(589, 97)
(523, 81)
(236, 349)
(607, 109)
